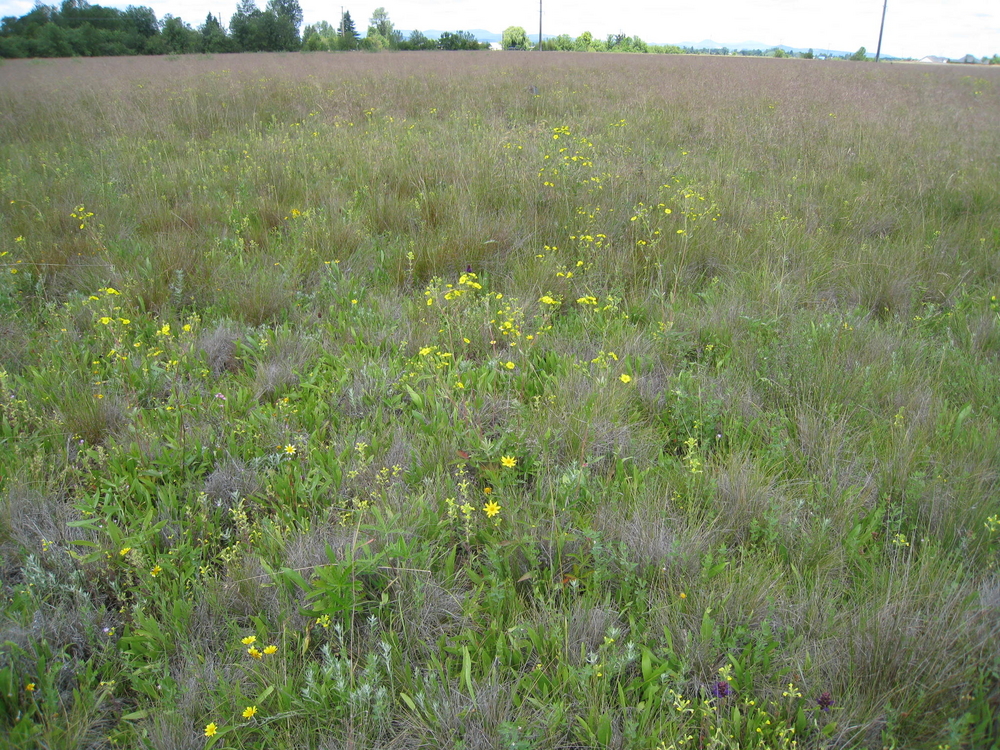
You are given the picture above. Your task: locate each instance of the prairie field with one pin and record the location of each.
(499, 400)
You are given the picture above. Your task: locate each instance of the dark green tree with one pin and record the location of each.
(245, 27)
(280, 25)
(290, 9)
(143, 20)
(347, 35)
(79, 28)
(318, 37)
(214, 37)
(273, 30)
(22, 37)
(53, 41)
(29, 24)
(459, 40)
(72, 13)
(860, 55)
(178, 37)
(417, 40)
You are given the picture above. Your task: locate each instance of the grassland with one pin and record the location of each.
(372, 401)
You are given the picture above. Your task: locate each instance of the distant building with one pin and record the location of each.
(968, 59)
(934, 59)
(496, 46)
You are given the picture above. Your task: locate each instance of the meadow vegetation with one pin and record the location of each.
(357, 401)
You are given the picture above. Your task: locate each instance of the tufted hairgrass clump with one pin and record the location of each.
(362, 401)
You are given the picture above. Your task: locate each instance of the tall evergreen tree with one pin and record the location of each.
(347, 35)
(213, 36)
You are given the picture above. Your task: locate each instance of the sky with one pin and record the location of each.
(913, 28)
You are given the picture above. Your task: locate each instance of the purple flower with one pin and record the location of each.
(220, 397)
(824, 701)
(720, 689)
(468, 269)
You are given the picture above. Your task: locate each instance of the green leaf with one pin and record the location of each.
(467, 672)
(415, 397)
(604, 731)
(707, 625)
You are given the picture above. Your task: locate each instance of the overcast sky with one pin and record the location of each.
(913, 28)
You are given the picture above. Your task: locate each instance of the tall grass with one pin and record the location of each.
(374, 400)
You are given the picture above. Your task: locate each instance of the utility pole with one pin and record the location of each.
(539, 25)
(880, 30)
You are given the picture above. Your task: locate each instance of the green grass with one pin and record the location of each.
(658, 410)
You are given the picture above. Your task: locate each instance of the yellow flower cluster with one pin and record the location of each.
(256, 653)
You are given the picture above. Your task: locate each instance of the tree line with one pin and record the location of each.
(78, 29)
